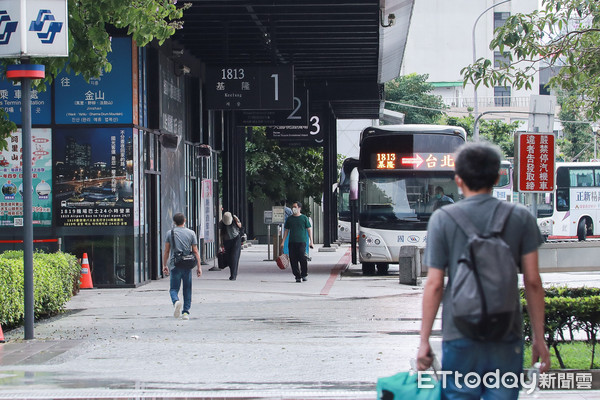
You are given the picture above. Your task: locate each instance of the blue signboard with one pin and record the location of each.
(10, 101)
(104, 100)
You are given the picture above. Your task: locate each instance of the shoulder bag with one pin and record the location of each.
(180, 259)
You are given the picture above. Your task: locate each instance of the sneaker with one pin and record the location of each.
(298, 280)
(185, 316)
(177, 312)
(304, 278)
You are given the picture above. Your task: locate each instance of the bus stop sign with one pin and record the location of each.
(536, 162)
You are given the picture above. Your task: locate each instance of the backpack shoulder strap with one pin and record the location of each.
(500, 216)
(462, 220)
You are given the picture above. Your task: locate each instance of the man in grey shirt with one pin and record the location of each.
(185, 240)
(477, 170)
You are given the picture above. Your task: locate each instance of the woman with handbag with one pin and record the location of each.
(230, 229)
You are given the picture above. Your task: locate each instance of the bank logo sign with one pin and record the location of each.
(33, 28)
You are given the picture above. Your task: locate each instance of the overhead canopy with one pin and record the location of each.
(339, 48)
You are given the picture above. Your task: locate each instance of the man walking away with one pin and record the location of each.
(184, 240)
(298, 227)
(477, 170)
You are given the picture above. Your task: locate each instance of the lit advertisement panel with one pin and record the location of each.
(93, 175)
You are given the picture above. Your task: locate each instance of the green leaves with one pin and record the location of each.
(413, 89)
(91, 24)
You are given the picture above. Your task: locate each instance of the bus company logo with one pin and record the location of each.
(48, 33)
(7, 27)
(400, 238)
(413, 239)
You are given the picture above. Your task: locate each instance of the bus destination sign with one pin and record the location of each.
(417, 161)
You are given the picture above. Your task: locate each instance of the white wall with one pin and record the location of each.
(440, 38)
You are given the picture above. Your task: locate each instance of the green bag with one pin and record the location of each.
(404, 386)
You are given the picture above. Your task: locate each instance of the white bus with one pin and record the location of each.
(503, 190)
(572, 211)
(405, 173)
(344, 211)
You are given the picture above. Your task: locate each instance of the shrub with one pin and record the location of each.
(55, 281)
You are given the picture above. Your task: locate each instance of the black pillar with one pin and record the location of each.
(329, 174)
(233, 178)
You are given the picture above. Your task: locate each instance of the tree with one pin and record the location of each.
(275, 172)
(414, 90)
(494, 131)
(91, 24)
(564, 34)
(577, 144)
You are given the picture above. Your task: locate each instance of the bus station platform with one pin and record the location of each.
(262, 336)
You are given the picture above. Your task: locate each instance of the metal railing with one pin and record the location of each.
(482, 102)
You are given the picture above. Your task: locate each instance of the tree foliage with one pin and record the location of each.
(577, 142)
(91, 23)
(275, 172)
(564, 34)
(414, 90)
(494, 131)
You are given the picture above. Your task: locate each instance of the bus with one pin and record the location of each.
(344, 212)
(572, 210)
(503, 190)
(401, 170)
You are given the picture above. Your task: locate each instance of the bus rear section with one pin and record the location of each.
(572, 211)
(406, 172)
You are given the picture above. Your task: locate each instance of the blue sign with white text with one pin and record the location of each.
(10, 101)
(104, 100)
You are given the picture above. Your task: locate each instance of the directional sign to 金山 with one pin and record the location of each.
(33, 28)
(233, 87)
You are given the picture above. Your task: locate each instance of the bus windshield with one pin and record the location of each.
(404, 202)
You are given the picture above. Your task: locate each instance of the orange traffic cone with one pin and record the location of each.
(86, 275)
(1, 335)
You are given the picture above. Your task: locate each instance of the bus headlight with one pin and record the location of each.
(371, 240)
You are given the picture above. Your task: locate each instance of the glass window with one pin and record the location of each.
(502, 96)
(581, 177)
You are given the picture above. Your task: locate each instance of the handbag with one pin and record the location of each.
(222, 259)
(283, 261)
(180, 259)
(405, 385)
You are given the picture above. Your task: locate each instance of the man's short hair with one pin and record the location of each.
(298, 203)
(439, 189)
(179, 219)
(478, 165)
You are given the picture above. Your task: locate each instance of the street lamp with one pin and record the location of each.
(475, 107)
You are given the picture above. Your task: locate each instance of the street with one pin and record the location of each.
(261, 336)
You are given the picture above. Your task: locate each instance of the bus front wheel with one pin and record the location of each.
(383, 268)
(582, 229)
(368, 268)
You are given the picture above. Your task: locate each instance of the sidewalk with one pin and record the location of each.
(261, 336)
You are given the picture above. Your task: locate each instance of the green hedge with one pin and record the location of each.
(568, 310)
(55, 281)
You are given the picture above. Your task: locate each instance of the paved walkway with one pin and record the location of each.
(261, 336)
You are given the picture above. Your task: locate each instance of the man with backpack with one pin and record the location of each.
(482, 244)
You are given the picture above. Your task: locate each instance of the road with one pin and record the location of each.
(261, 336)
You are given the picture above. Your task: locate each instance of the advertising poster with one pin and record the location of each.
(11, 179)
(207, 210)
(93, 177)
(104, 100)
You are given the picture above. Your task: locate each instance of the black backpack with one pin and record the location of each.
(484, 291)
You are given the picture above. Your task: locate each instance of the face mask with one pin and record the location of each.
(439, 196)
(295, 210)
